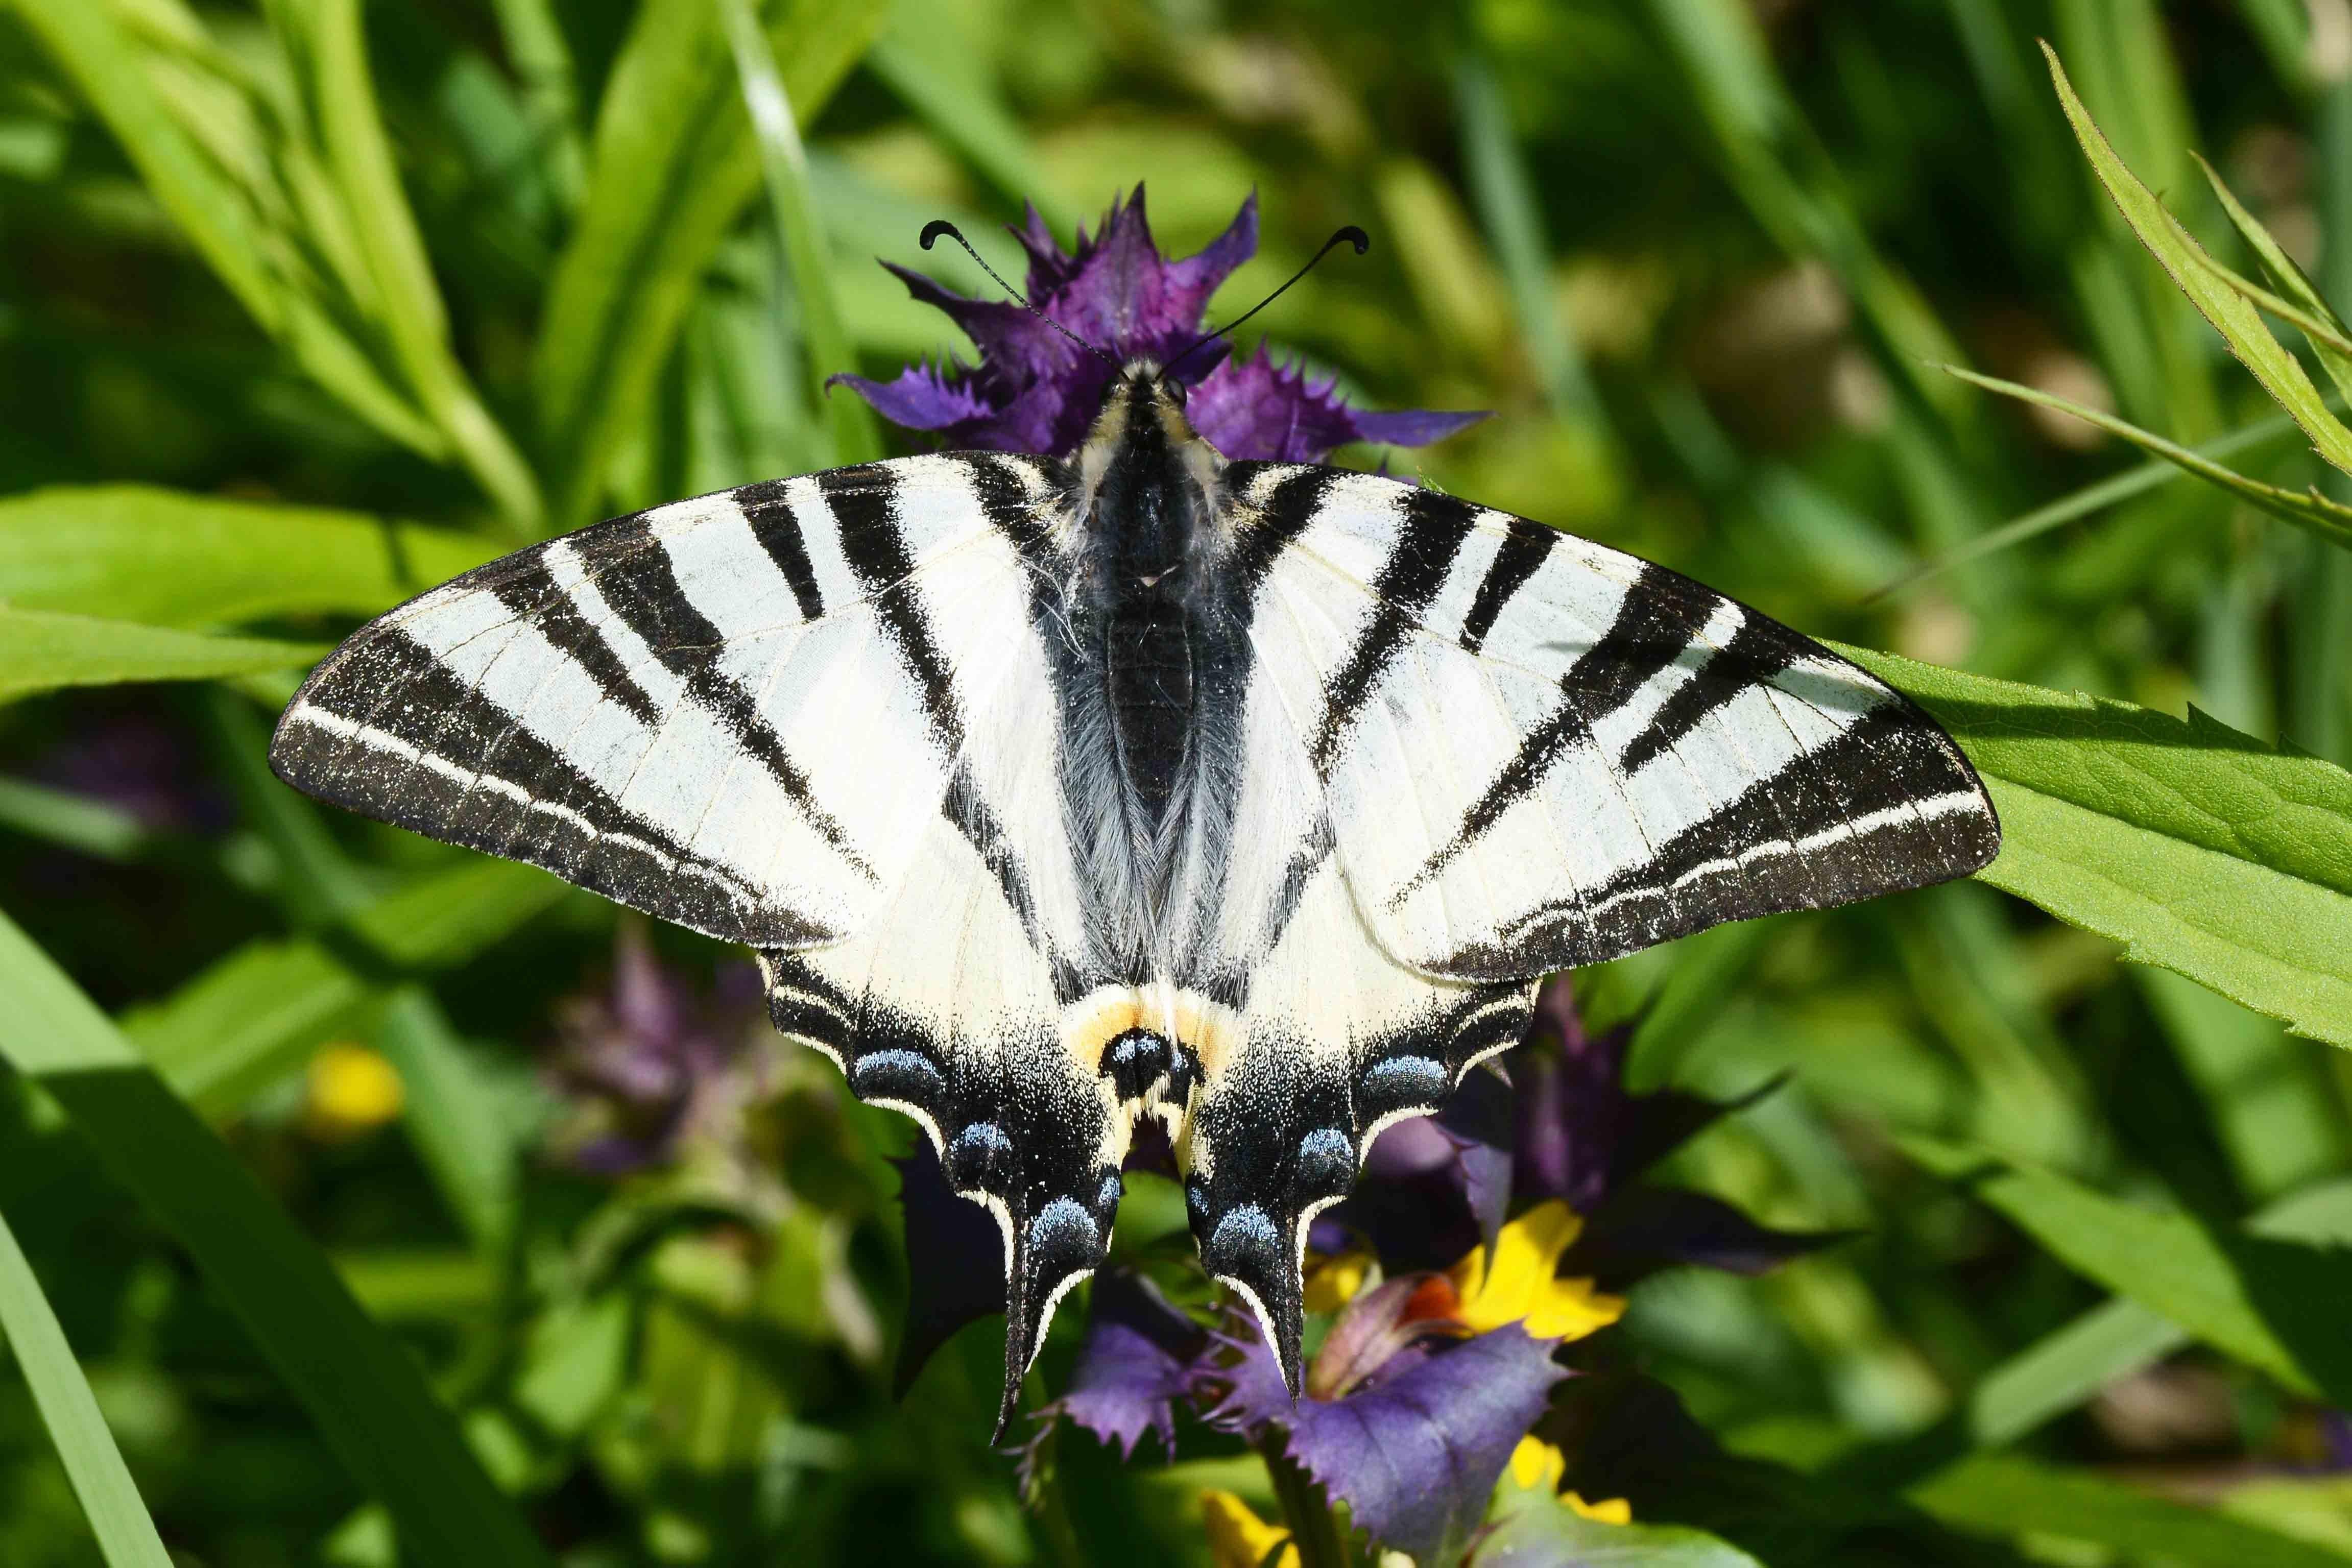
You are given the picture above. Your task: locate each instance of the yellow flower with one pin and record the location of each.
(351, 1089)
(1615, 1510)
(1240, 1539)
(1332, 1283)
(1519, 1288)
(1537, 1466)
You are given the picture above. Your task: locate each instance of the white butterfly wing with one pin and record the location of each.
(736, 713)
(1536, 752)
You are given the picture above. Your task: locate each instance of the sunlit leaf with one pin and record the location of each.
(2200, 849)
(42, 650)
(2004, 1494)
(2265, 1299)
(136, 553)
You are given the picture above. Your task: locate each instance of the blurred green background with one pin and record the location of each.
(454, 273)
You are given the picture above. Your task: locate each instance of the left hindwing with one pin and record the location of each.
(1534, 752)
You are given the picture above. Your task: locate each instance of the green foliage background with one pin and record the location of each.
(306, 305)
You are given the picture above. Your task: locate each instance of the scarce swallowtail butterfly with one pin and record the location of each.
(1055, 795)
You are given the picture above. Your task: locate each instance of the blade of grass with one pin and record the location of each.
(2333, 347)
(2192, 271)
(2007, 1495)
(2090, 499)
(674, 165)
(185, 115)
(542, 58)
(109, 1498)
(929, 59)
(2265, 1301)
(326, 38)
(1780, 172)
(360, 1386)
(458, 1117)
(2311, 511)
(1507, 203)
(783, 164)
(42, 651)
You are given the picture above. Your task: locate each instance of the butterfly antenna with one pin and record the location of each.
(1349, 232)
(938, 226)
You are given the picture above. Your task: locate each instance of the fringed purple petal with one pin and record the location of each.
(1035, 391)
(921, 399)
(1413, 426)
(1571, 1104)
(1136, 1362)
(1198, 276)
(1433, 1187)
(1414, 1453)
(1256, 409)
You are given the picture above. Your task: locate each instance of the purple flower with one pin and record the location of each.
(650, 1067)
(1415, 1449)
(1564, 1130)
(1141, 1358)
(1035, 391)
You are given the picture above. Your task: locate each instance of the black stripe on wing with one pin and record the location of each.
(1887, 805)
(641, 585)
(1522, 552)
(864, 500)
(1654, 626)
(778, 528)
(388, 730)
(1435, 527)
(532, 594)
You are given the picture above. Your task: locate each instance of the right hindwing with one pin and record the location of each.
(737, 712)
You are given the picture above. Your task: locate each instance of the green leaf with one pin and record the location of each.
(2001, 1494)
(359, 1385)
(257, 1014)
(2200, 849)
(675, 163)
(41, 650)
(136, 553)
(2267, 1300)
(109, 1498)
(2311, 511)
(2192, 271)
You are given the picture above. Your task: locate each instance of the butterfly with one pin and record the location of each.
(1056, 797)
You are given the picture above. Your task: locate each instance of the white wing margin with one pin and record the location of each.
(736, 713)
(1536, 752)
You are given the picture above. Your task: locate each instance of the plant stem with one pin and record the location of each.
(1303, 1508)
